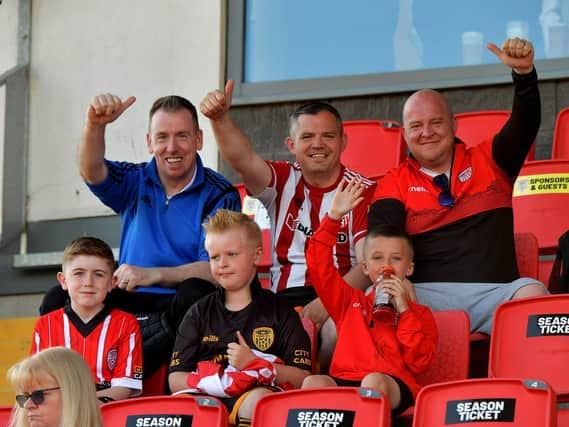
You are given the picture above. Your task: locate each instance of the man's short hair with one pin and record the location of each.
(386, 230)
(90, 246)
(173, 103)
(313, 108)
(225, 220)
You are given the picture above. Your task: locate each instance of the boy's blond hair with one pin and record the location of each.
(225, 220)
(90, 246)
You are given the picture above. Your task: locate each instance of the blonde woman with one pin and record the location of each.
(54, 388)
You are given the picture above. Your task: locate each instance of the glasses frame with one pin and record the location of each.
(37, 396)
(445, 197)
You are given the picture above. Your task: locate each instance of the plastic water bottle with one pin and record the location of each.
(383, 309)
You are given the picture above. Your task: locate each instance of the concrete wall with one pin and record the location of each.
(128, 47)
(9, 21)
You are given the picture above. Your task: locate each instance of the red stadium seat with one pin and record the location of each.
(156, 383)
(310, 328)
(241, 189)
(563, 414)
(453, 348)
(254, 209)
(475, 127)
(374, 146)
(530, 339)
(486, 402)
(452, 357)
(527, 254)
(541, 194)
(5, 414)
(347, 406)
(560, 149)
(180, 410)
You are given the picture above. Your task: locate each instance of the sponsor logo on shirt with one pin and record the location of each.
(138, 373)
(263, 337)
(302, 357)
(417, 189)
(294, 224)
(210, 338)
(465, 175)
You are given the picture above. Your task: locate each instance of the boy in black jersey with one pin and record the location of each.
(242, 341)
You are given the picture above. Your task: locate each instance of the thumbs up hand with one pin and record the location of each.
(216, 104)
(239, 353)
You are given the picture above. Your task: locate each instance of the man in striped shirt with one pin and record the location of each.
(297, 196)
(108, 339)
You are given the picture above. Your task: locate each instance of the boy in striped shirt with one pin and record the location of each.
(108, 339)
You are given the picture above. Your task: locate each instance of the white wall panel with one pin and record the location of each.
(132, 47)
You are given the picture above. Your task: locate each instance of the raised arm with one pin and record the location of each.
(513, 142)
(103, 109)
(235, 146)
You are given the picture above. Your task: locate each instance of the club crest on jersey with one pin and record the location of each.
(263, 338)
(465, 175)
(112, 359)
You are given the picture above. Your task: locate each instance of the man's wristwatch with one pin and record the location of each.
(105, 399)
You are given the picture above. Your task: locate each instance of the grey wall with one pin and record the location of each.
(266, 125)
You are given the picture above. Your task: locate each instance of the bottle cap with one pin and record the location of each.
(388, 269)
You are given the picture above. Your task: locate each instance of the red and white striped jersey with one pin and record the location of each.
(110, 343)
(295, 209)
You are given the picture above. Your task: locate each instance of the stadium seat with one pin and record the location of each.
(253, 207)
(560, 149)
(346, 406)
(374, 146)
(540, 197)
(452, 357)
(475, 127)
(530, 339)
(563, 414)
(527, 257)
(486, 402)
(527, 260)
(5, 414)
(453, 349)
(527, 254)
(156, 383)
(310, 328)
(180, 410)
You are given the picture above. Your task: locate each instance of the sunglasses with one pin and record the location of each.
(37, 396)
(445, 197)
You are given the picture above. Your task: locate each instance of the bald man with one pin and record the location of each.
(456, 202)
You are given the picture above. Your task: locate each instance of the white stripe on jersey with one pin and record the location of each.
(131, 342)
(297, 229)
(101, 348)
(66, 332)
(37, 342)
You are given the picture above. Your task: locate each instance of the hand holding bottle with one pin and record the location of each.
(394, 287)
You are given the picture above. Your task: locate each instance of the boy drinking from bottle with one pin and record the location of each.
(375, 348)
